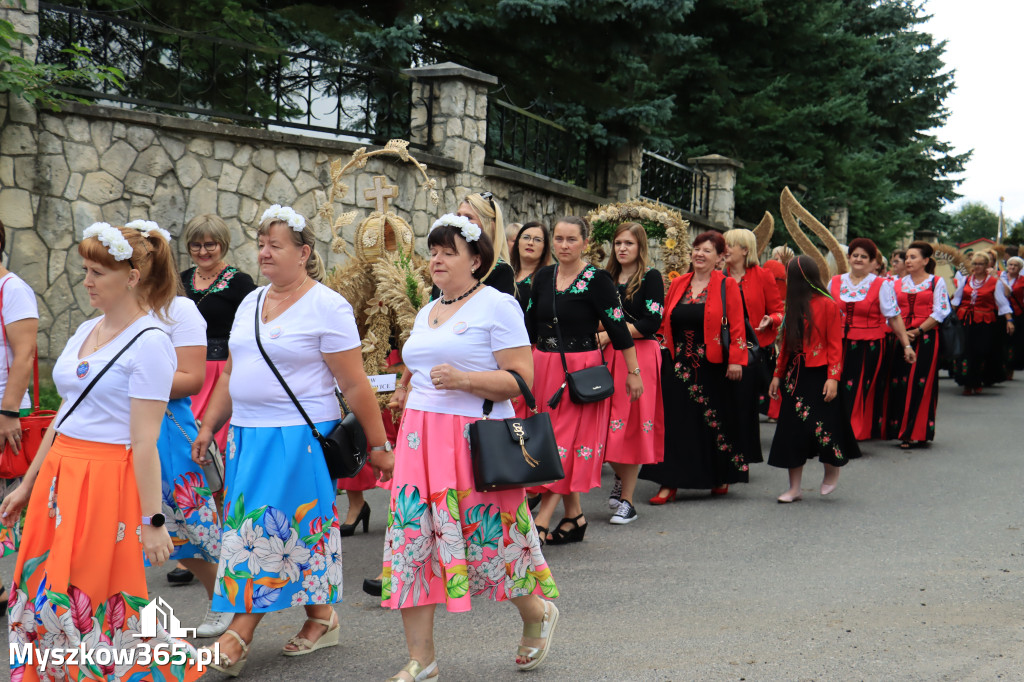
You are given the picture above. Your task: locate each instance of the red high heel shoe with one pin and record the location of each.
(659, 499)
(720, 490)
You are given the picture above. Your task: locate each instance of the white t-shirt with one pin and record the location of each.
(320, 322)
(145, 371)
(187, 326)
(488, 322)
(19, 303)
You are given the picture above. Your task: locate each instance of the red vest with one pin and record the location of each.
(984, 308)
(916, 307)
(1017, 296)
(862, 320)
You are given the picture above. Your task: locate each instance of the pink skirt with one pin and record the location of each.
(636, 430)
(214, 368)
(580, 430)
(446, 542)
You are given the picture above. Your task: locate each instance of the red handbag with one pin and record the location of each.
(33, 426)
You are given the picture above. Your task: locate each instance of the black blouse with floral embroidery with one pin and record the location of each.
(591, 298)
(645, 310)
(220, 300)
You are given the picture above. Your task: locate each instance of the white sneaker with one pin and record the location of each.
(616, 494)
(215, 624)
(625, 514)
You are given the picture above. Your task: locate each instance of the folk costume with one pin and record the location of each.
(701, 450)
(866, 307)
(808, 426)
(914, 389)
(1015, 344)
(580, 429)
(980, 306)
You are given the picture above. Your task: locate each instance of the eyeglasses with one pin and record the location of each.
(532, 240)
(196, 247)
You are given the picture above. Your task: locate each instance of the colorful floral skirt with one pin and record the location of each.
(200, 401)
(636, 429)
(188, 505)
(580, 430)
(79, 577)
(864, 383)
(808, 426)
(914, 391)
(10, 538)
(446, 542)
(281, 544)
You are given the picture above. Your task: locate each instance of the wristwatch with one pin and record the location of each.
(636, 371)
(156, 520)
(382, 448)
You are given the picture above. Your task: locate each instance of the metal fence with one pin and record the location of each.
(675, 184)
(522, 140)
(178, 72)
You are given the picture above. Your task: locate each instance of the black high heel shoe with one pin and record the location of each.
(364, 516)
(560, 536)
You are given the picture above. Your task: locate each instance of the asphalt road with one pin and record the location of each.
(912, 570)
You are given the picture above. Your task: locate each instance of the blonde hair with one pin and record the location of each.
(614, 268)
(151, 256)
(512, 231)
(492, 223)
(783, 254)
(315, 265)
(745, 238)
(210, 225)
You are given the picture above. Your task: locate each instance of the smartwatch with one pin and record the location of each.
(156, 520)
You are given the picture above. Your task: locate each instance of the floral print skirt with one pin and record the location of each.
(281, 543)
(10, 538)
(808, 426)
(79, 579)
(580, 430)
(188, 505)
(200, 401)
(636, 429)
(446, 542)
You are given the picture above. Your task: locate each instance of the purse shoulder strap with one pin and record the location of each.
(273, 368)
(558, 330)
(527, 394)
(726, 331)
(103, 371)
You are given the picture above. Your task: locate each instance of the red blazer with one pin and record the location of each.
(823, 340)
(712, 317)
(779, 271)
(762, 298)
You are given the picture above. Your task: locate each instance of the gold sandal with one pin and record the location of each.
(330, 638)
(417, 672)
(542, 630)
(225, 664)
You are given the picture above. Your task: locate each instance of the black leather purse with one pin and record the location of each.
(755, 354)
(514, 453)
(345, 446)
(587, 385)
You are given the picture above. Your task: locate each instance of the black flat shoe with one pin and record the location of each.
(180, 576)
(560, 536)
(364, 516)
(373, 587)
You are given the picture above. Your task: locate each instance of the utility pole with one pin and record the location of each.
(999, 236)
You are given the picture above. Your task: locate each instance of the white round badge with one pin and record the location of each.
(460, 327)
(275, 332)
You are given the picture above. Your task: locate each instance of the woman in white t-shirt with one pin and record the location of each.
(19, 317)
(93, 490)
(281, 542)
(445, 541)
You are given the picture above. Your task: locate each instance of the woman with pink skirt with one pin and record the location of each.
(636, 429)
(579, 297)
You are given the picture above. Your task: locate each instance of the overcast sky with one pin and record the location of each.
(986, 108)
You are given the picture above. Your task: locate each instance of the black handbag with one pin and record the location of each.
(587, 385)
(514, 453)
(724, 333)
(755, 354)
(345, 446)
(952, 335)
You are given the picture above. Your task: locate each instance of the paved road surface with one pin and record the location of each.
(912, 570)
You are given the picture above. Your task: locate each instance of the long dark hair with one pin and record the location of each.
(545, 252)
(803, 284)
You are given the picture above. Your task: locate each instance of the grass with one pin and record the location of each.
(49, 399)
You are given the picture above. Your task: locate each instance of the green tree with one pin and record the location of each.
(973, 220)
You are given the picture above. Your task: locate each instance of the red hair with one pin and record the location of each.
(151, 256)
(715, 238)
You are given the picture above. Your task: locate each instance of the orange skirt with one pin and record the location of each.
(79, 581)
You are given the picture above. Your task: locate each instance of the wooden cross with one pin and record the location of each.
(380, 193)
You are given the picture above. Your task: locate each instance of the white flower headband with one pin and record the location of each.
(470, 231)
(112, 238)
(285, 214)
(146, 227)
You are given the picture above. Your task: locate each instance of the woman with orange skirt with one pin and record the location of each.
(636, 429)
(93, 491)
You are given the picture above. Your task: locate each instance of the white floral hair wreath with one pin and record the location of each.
(285, 214)
(470, 232)
(147, 227)
(112, 238)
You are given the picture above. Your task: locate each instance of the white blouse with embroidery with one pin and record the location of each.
(886, 294)
(1002, 303)
(940, 298)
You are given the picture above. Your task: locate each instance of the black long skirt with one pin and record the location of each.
(863, 385)
(971, 370)
(914, 392)
(808, 426)
(1016, 345)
